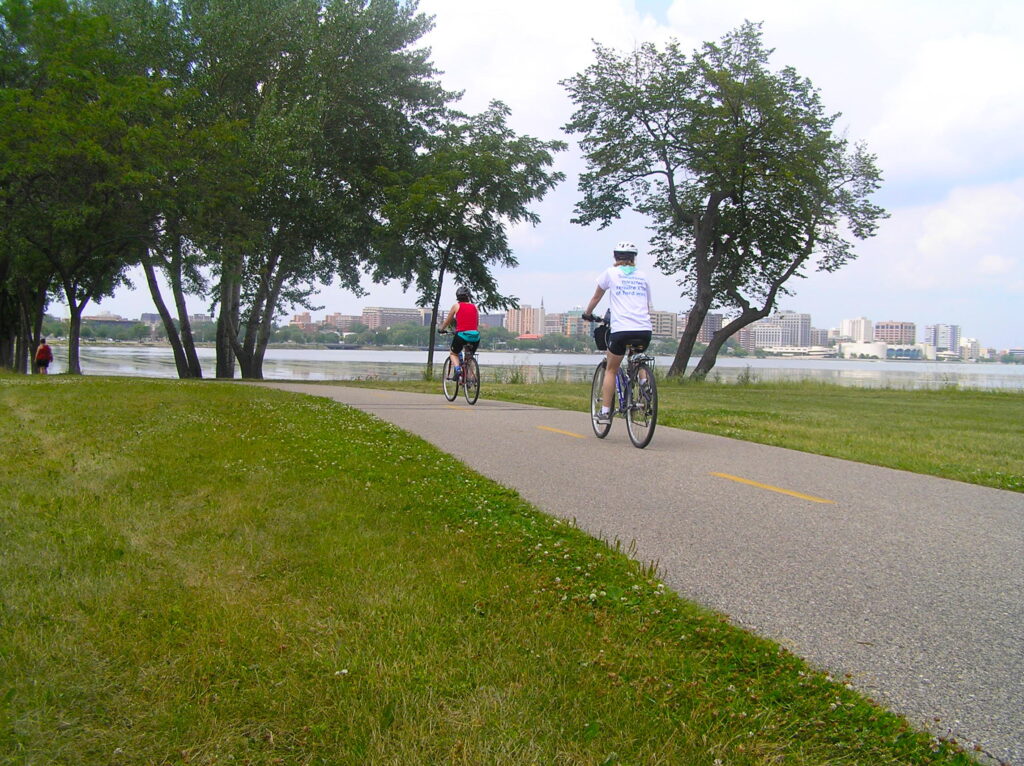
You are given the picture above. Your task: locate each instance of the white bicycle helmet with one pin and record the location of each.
(625, 250)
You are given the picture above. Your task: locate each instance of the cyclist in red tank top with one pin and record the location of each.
(467, 327)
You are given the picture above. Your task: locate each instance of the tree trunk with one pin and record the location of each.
(266, 327)
(694, 321)
(710, 355)
(180, 362)
(227, 319)
(74, 337)
(31, 308)
(187, 341)
(748, 314)
(707, 252)
(437, 305)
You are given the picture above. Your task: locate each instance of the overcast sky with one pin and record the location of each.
(934, 88)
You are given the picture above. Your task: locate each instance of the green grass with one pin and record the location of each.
(209, 573)
(971, 436)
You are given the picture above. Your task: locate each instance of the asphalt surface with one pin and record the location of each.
(912, 585)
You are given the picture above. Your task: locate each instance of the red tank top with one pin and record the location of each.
(467, 318)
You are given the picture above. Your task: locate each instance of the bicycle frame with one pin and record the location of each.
(625, 374)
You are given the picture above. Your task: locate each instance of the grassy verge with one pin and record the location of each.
(971, 436)
(206, 573)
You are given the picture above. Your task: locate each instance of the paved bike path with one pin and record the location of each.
(911, 584)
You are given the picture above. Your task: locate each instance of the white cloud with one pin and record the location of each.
(518, 52)
(957, 110)
(969, 238)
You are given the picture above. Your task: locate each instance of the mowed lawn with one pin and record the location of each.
(201, 572)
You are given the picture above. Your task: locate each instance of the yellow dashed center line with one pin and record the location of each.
(770, 488)
(559, 431)
(457, 407)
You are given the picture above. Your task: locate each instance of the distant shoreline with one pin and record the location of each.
(346, 347)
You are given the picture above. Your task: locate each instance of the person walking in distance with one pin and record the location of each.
(44, 355)
(467, 327)
(629, 298)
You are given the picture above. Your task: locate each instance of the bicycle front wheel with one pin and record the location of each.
(600, 429)
(642, 410)
(471, 380)
(449, 386)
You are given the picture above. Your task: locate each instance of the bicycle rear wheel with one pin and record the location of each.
(600, 429)
(449, 386)
(471, 379)
(642, 410)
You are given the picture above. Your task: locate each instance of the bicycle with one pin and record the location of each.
(635, 397)
(468, 379)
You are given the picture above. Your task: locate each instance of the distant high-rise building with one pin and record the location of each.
(796, 328)
(787, 328)
(970, 348)
(664, 323)
(945, 337)
(819, 337)
(492, 320)
(712, 323)
(553, 324)
(573, 324)
(525, 320)
(857, 330)
(341, 322)
(379, 318)
(896, 333)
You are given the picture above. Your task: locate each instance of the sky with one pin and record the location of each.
(933, 87)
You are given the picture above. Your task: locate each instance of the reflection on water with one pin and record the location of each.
(323, 364)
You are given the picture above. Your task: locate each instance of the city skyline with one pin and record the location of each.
(846, 328)
(932, 94)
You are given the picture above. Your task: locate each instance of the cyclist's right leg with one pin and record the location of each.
(608, 389)
(453, 354)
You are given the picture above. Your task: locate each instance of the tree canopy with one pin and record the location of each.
(448, 212)
(246, 151)
(737, 167)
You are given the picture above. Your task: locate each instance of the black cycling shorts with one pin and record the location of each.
(618, 342)
(458, 343)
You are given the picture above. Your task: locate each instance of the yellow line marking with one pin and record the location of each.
(559, 431)
(770, 488)
(457, 407)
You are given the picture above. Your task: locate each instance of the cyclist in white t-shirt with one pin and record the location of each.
(629, 298)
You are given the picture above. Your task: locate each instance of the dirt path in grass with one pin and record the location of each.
(912, 585)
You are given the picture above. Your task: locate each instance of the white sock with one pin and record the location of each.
(605, 410)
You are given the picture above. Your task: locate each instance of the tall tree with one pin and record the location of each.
(329, 93)
(448, 213)
(737, 167)
(203, 178)
(77, 155)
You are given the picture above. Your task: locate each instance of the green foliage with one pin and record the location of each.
(449, 210)
(184, 582)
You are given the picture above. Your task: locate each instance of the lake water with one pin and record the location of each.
(323, 364)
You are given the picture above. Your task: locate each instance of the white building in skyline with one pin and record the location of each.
(945, 337)
(858, 330)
